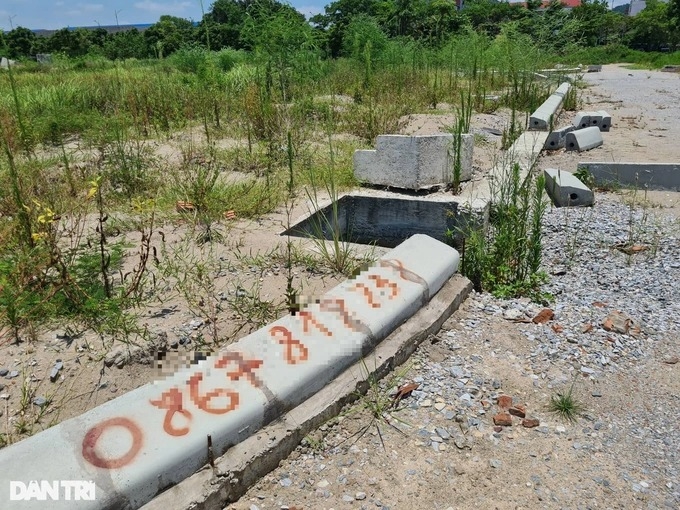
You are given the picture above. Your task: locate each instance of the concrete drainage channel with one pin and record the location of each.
(200, 438)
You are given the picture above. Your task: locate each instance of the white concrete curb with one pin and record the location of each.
(583, 139)
(151, 438)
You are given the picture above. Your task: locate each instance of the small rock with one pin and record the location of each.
(426, 403)
(12, 374)
(495, 463)
(618, 322)
(544, 316)
(530, 423)
(503, 420)
(347, 498)
(323, 484)
(518, 410)
(439, 406)
(3, 372)
(40, 401)
(360, 496)
(505, 401)
(286, 482)
(513, 314)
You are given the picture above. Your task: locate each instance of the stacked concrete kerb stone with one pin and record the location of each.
(600, 119)
(137, 445)
(541, 119)
(566, 190)
(414, 162)
(583, 139)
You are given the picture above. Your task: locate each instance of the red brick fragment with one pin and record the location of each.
(519, 410)
(544, 316)
(505, 401)
(530, 423)
(503, 420)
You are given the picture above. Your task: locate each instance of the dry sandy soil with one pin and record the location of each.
(557, 465)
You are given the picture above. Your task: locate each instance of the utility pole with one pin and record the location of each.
(10, 18)
(116, 15)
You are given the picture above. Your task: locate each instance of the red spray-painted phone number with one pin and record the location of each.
(294, 352)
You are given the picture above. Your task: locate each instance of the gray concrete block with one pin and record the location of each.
(557, 139)
(566, 190)
(541, 119)
(583, 139)
(582, 120)
(563, 89)
(413, 162)
(605, 120)
(595, 68)
(653, 176)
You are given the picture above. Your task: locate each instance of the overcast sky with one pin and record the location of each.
(53, 14)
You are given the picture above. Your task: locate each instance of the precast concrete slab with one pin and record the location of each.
(583, 139)
(134, 447)
(582, 120)
(414, 162)
(563, 89)
(652, 176)
(243, 465)
(541, 119)
(566, 190)
(557, 139)
(605, 120)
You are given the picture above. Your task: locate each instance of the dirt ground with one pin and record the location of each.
(518, 469)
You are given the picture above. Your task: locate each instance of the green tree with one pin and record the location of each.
(20, 42)
(651, 29)
(168, 35)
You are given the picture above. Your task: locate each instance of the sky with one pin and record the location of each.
(54, 14)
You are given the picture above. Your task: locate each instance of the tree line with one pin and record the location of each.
(346, 26)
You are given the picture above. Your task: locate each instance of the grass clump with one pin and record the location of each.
(566, 405)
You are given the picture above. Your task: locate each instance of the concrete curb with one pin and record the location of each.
(654, 176)
(540, 120)
(139, 444)
(566, 190)
(247, 462)
(583, 139)
(558, 138)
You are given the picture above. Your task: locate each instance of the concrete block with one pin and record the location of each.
(605, 120)
(566, 190)
(582, 120)
(563, 89)
(595, 68)
(540, 120)
(653, 176)
(139, 444)
(413, 162)
(583, 139)
(557, 139)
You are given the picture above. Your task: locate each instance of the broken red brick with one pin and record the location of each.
(497, 428)
(530, 423)
(544, 316)
(518, 410)
(557, 328)
(503, 420)
(505, 401)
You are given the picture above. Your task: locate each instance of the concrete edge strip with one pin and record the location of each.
(653, 176)
(246, 463)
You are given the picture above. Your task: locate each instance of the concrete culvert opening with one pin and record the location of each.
(382, 221)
